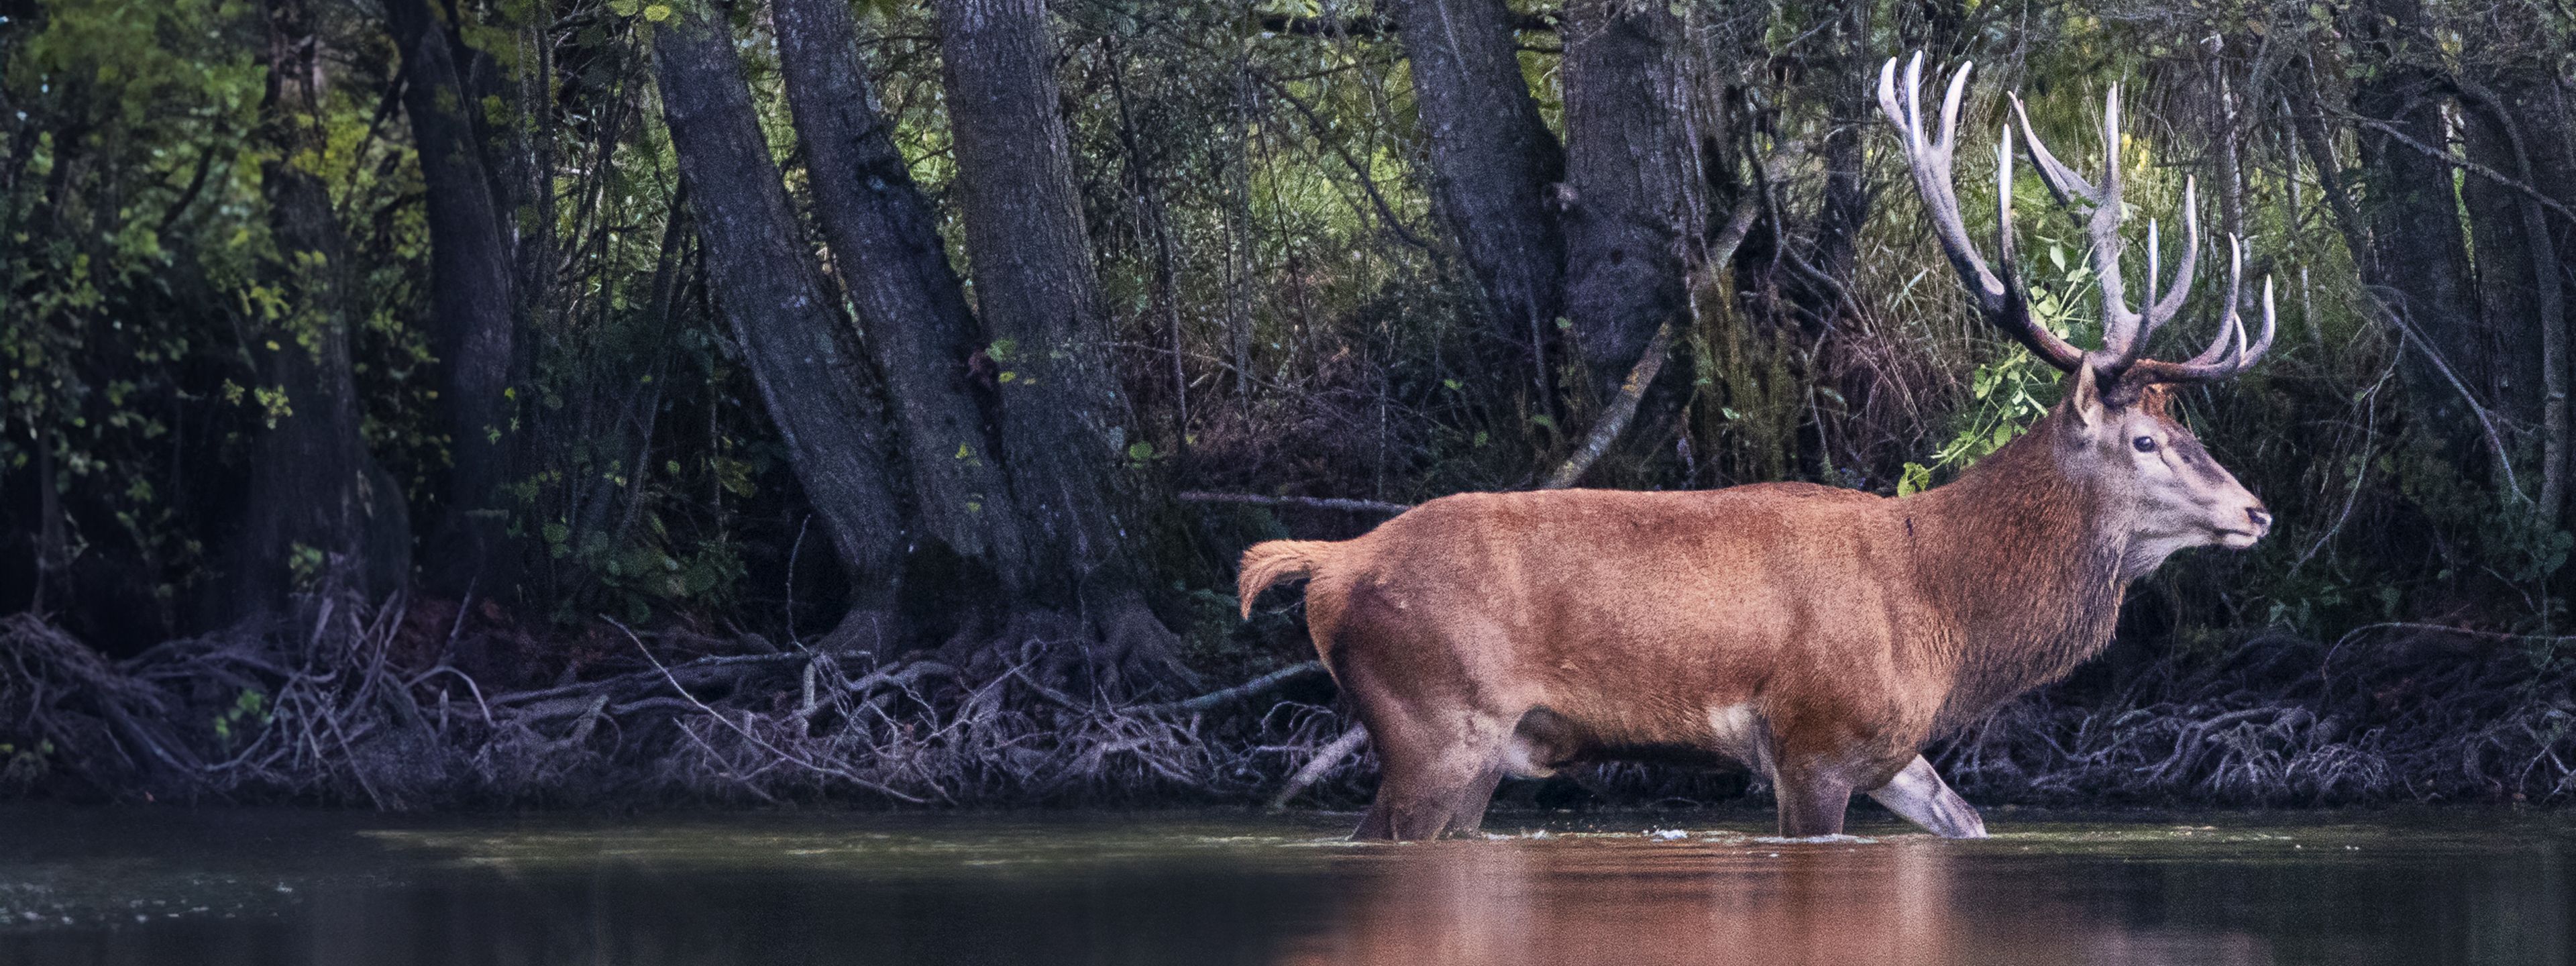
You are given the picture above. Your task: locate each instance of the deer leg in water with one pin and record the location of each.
(1812, 801)
(1467, 812)
(1425, 797)
(1432, 780)
(1919, 794)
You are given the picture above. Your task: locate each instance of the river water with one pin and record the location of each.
(168, 886)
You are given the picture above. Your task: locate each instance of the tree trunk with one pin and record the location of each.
(319, 512)
(2517, 125)
(1063, 437)
(2415, 220)
(1851, 110)
(885, 242)
(770, 291)
(1493, 162)
(1627, 159)
(472, 323)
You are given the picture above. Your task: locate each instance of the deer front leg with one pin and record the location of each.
(1918, 793)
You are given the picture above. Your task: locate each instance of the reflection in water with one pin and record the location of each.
(1890, 903)
(164, 888)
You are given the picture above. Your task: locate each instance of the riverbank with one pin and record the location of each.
(373, 707)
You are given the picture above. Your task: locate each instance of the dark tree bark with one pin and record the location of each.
(318, 507)
(770, 291)
(1493, 161)
(1627, 161)
(2414, 219)
(2518, 124)
(2511, 232)
(472, 322)
(885, 242)
(1062, 412)
(1851, 110)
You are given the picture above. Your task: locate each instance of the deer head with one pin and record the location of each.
(2156, 481)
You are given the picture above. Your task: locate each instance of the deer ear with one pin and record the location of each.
(2085, 401)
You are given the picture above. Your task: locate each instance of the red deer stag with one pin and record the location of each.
(1820, 636)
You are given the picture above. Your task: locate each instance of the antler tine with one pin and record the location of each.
(2229, 324)
(2061, 180)
(1999, 298)
(2166, 307)
(1950, 106)
(2262, 343)
(2119, 322)
(2155, 258)
(2011, 262)
(2228, 354)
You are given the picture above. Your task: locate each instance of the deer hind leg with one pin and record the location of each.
(1812, 799)
(1919, 794)
(1433, 781)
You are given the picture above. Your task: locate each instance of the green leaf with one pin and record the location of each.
(1917, 479)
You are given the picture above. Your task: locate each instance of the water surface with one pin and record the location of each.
(235, 886)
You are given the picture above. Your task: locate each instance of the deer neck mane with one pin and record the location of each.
(2029, 561)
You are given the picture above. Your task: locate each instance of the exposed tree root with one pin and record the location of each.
(326, 714)
(332, 710)
(2392, 712)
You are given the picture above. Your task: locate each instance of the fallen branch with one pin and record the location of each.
(1310, 502)
(1217, 699)
(1623, 406)
(1319, 766)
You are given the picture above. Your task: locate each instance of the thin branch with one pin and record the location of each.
(1308, 502)
(746, 734)
(1368, 185)
(2465, 164)
(2504, 458)
(1320, 765)
(1217, 699)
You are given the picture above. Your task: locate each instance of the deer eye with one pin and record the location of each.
(2145, 444)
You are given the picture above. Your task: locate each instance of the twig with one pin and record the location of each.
(840, 773)
(1217, 699)
(1316, 767)
(2504, 457)
(2472, 167)
(1311, 502)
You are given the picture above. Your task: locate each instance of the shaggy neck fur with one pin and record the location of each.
(2032, 559)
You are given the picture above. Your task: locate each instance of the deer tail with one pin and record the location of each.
(1272, 561)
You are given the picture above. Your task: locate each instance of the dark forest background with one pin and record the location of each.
(416, 400)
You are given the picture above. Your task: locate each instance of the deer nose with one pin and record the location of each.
(2262, 518)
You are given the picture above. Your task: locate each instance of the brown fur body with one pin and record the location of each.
(1821, 636)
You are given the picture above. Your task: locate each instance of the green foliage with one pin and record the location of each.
(249, 712)
(1289, 312)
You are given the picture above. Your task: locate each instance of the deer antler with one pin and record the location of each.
(2002, 298)
(2125, 331)
(2218, 361)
